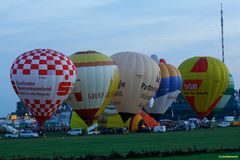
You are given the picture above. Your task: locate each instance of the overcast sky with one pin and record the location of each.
(172, 29)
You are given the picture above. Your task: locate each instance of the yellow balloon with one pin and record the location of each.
(204, 81)
(97, 81)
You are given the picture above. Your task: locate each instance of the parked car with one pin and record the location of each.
(223, 124)
(94, 133)
(113, 130)
(181, 126)
(28, 134)
(229, 118)
(191, 126)
(205, 125)
(235, 123)
(196, 121)
(11, 135)
(105, 131)
(170, 124)
(122, 130)
(159, 129)
(75, 131)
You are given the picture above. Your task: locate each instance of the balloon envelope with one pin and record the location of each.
(155, 58)
(77, 122)
(142, 120)
(162, 60)
(170, 87)
(137, 123)
(110, 110)
(97, 80)
(204, 81)
(42, 78)
(227, 94)
(139, 80)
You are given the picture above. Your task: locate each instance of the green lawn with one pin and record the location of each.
(62, 145)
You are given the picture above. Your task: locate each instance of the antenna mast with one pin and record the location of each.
(222, 34)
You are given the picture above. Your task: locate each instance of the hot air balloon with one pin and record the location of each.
(162, 60)
(170, 87)
(150, 103)
(111, 118)
(97, 80)
(77, 122)
(227, 94)
(150, 122)
(137, 123)
(142, 121)
(110, 110)
(42, 78)
(139, 80)
(204, 81)
(155, 58)
(104, 121)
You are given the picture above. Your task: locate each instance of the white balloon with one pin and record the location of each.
(139, 80)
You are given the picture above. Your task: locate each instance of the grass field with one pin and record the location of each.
(62, 145)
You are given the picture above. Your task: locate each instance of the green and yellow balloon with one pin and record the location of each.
(227, 95)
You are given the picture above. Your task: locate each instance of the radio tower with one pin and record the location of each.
(222, 34)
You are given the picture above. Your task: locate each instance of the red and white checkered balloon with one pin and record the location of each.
(42, 78)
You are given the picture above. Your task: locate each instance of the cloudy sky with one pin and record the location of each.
(172, 29)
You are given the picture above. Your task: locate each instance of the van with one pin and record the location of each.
(159, 129)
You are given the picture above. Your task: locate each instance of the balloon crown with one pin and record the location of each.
(86, 52)
(162, 60)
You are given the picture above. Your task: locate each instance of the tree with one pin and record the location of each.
(21, 110)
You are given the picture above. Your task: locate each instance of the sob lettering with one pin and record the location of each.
(192, 84)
